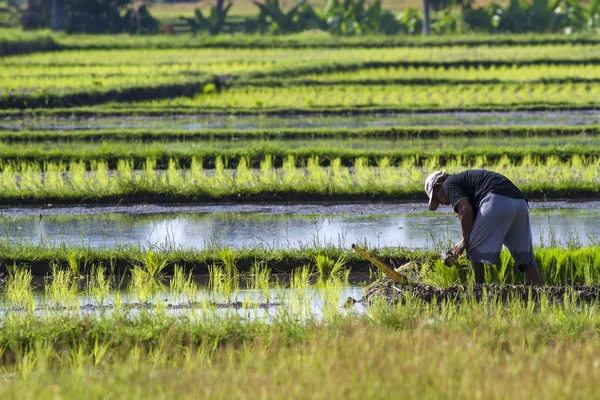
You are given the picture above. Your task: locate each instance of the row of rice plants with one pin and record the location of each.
(50, 90)
(572, 264)
(38, 78)
(148, 286)
(183, 68)
(484, 135)
(493, 74)
(287, 58)
(75, 182)
(43, 85)
(423, 152)
(392, 97)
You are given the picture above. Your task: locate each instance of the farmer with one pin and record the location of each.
(492, 212)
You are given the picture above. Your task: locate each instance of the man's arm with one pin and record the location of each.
(465, 214)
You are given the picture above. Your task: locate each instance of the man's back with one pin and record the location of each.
(476, 185)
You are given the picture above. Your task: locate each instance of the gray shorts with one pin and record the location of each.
(501, 220)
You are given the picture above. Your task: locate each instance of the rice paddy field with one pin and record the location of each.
(177, 216)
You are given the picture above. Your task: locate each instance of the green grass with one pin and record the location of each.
(464, 350)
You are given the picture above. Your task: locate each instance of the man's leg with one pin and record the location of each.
(532, 275)
(487, 236)
(520, 244)
(479, 272)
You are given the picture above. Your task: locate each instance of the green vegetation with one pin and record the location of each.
(422, 152)
(389, 97)
(292, 80)
(138, 322)
(250, 266)
(230, 138)
(16, 41)
(492, 347)
(76, 182)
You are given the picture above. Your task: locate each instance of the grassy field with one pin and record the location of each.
(466, 350)
(318, 79)
(131, 322)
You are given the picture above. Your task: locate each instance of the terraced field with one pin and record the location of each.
(193, 200)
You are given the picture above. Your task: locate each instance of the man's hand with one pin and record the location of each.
(459, 248)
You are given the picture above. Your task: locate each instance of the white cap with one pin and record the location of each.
(429, 183)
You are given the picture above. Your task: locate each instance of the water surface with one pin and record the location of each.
(198, 230)
(242, 123)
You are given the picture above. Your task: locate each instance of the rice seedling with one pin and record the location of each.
(142, 286)
(260, 279)
(19, 291)
(73, 260)
(99, 286)
(301, 292)
(479, 74)
(328, 268)
(19, 142)
(62, 288)
(224, 276)
(546, 178)
(330, 293)
(181, 284)
(153, 264)
(385, 97)
(137, 62)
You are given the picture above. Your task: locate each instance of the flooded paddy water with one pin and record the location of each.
(244, 123)
(277, 226)
(313, 301)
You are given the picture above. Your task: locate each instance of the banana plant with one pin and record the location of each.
(272, 18)
(356, 17)
(410, 21)
(214, 22)
(580, 17)
(534, 16)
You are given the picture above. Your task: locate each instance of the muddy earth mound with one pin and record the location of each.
(392, 292)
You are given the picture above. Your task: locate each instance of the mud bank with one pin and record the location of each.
(391, 292)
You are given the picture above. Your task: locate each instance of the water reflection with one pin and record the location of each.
(197, 230)
(528, 118)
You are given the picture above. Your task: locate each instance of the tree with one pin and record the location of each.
(57, 16)
(426, 17)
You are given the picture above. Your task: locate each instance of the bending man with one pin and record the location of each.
(492, 212)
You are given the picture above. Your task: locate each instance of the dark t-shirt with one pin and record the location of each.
(476, 184)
